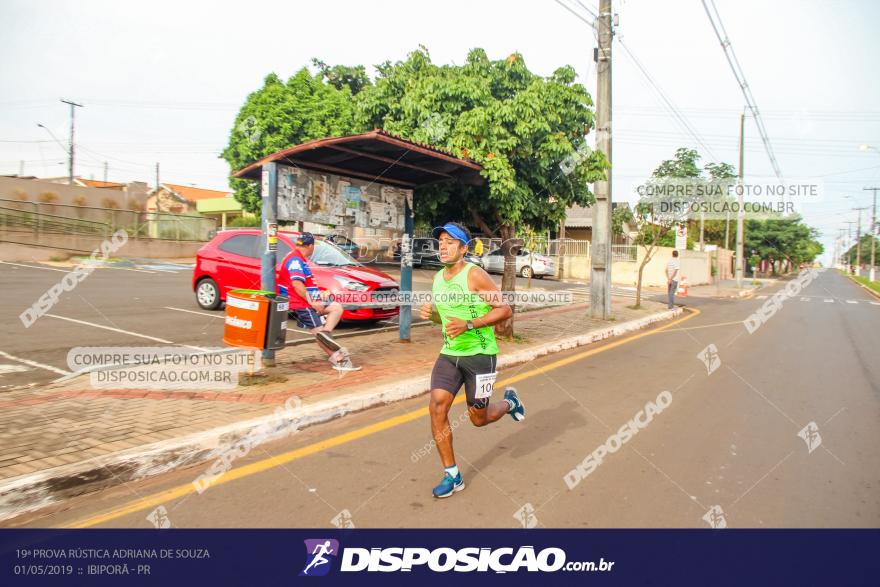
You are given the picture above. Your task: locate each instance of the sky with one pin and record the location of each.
(162, 81)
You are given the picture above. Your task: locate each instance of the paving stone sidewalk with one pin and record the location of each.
(62, 424)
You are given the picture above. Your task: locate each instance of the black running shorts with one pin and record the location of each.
(451, 372)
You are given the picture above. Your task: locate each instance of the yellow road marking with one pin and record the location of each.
(707, 326)
(156, 499)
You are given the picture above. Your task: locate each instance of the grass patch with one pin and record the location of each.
(873, 285)
(635, 307)
(246, 380)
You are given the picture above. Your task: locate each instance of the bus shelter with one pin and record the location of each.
(365, 180)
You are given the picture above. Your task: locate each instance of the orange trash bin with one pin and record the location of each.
(247, 313)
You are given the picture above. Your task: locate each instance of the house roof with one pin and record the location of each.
(194, 194)
(581, 217)
(578, 217)
(375, 156)
(94, 183)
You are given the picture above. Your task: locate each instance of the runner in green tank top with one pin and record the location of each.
(467, 304)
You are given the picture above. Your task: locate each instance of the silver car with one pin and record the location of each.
(534, 264)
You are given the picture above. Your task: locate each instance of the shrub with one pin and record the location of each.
(110, 203)
(244, 222)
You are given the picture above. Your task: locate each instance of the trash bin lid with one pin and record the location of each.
(253, 292)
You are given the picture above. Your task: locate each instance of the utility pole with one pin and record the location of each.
(21, 168)
(848, 242)
(859, 241)
(157, 177)
(740, 213)
(105, 172)
(600, 259)
(73, 106)
(873, 232)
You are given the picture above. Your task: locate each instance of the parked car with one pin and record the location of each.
(231, 260)
(426, 255)
(538, 265)
(343, 242)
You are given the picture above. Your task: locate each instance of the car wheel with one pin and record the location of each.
(526, 271)
(208, 294)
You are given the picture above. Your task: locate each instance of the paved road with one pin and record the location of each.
(140, 305)
(726, 449)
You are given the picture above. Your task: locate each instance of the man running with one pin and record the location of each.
(296, 282)
(467, 304)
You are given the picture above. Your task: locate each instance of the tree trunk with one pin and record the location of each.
(508, 280)
(644, 262)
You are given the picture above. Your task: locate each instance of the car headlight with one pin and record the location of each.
(351, 284)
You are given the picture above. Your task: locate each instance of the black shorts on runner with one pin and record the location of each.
(451, 372)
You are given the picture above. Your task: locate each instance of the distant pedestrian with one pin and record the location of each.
(478, 247)
(672, 270)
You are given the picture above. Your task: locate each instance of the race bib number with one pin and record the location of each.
(485, 385)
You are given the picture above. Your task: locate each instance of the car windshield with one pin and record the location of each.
(328, 254)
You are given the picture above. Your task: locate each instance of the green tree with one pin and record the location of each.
(620, 215)
(281, 114)
(654, 221)
(865, 258)
(518, 125)
(353, 77)
(782, 241)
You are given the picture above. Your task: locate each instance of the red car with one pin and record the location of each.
(231, 260)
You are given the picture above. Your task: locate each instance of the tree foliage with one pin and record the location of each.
(281, 114)
(519, 126)
(782, 239)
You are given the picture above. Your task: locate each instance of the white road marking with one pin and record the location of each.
(4, 369)
(805, 299)
(128, 332)
(34, 364)
(831, 301)
(875, 303)
(760, 297)
(96, 266)
(221, 316)
(35, 267)
(851, 302)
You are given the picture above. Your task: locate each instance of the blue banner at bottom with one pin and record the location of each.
(398, 557)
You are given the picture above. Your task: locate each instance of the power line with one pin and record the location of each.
(677, 116)
(741, 80)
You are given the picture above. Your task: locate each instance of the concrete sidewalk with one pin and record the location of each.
(68, 438)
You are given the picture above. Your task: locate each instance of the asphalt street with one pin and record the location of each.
(136, 305)
(775, 428)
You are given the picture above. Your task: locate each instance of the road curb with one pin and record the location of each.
(34, 491)
(865, 287)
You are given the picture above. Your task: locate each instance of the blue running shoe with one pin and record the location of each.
(518, 411)
(449, 485)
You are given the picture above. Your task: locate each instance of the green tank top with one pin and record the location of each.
(463, 304)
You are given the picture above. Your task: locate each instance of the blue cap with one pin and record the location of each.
(305, 239)
(453, 231)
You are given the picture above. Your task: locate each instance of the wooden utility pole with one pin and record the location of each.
(600, 258)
